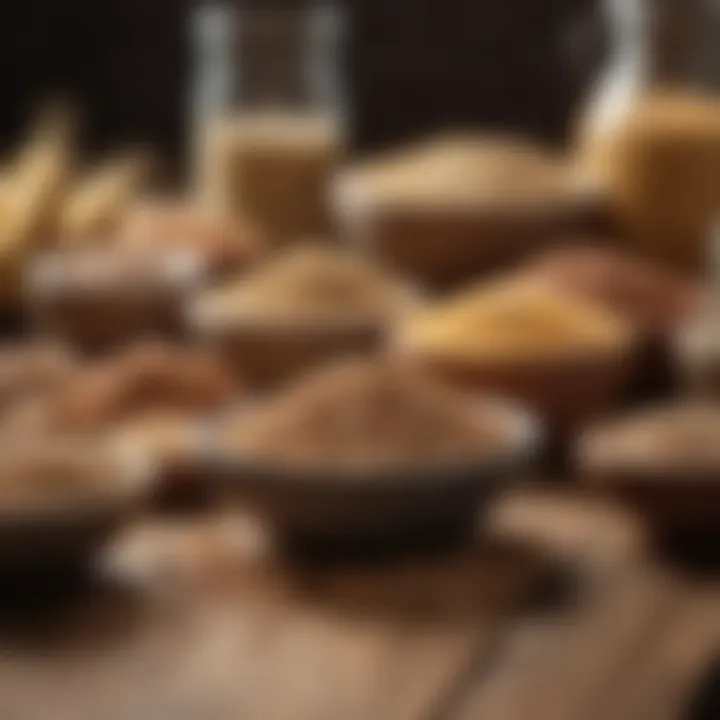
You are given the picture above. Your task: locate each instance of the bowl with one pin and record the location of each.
(568, 359)
(656, 301)
(673, 497)
(307, 306)
(110, 306)
(442, 235)
(327, 506)
(45, 536)
(442, 248)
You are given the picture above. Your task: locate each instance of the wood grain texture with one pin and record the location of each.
(214, 626)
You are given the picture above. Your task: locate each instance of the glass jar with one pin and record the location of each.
(267, 113)
(653, 44)
(651, 131)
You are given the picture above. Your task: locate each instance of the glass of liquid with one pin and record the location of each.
(267, 112)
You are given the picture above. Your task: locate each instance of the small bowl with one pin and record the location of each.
(443, 246)
(654, 300)
(318, 507)
(310, 305)
(673, 500)
(100, 314)
(73, 534)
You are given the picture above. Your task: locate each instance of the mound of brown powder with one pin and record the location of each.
(365, 415)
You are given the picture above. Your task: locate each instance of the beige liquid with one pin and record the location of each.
(273, 169)
(664, 177)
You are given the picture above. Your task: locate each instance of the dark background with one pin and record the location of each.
(123, 62)
(501, 64)
(412, 65)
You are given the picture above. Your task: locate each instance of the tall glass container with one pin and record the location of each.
(268, 112)
(651, 131)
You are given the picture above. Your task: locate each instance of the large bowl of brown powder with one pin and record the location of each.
(367, 449)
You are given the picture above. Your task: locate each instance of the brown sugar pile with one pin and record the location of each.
(361, 415)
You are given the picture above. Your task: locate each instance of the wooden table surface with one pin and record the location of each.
(555, 613)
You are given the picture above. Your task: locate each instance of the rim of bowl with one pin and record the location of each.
(201, 320)
(175, 271)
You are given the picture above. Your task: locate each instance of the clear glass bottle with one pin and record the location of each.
(268, 112)
(650, 134)
(654, 44)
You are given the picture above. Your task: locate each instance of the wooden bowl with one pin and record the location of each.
(442, 246)
(327, 506)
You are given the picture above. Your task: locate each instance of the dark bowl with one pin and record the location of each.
(373, 506)
(444, 246)
(673, 495)
(45, 539)
(672, 502)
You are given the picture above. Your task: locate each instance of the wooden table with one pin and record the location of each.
(213, 626)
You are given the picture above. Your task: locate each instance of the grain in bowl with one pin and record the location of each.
(307, 306)
(565, 356)
(366, 446)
